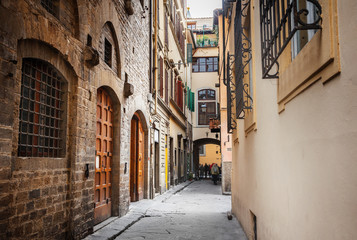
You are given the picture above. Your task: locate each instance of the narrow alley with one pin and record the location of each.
(115, 115)
(192, 210)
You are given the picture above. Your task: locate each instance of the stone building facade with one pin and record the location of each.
(68, 67)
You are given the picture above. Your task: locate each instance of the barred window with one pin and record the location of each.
(41, 119)
(51, 6)
(108, 52)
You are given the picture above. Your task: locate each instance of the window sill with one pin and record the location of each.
(318, 60)
(39, 163)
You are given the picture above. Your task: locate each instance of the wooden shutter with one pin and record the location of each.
(161, 77)
(166, 86)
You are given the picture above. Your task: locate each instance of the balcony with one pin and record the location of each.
(215, 125)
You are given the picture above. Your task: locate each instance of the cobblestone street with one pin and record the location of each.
(197, 211)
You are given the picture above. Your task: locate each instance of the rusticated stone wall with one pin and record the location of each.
(51, 198)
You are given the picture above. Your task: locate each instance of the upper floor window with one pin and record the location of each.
(279, 23)
(206, 106)
(191, 26)
(107, 52)
(52, 6)
(302, 37)
(205, 64)
(42, 111)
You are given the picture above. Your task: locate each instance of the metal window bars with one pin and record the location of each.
(279, 21)
(237, 90)
(41, 111)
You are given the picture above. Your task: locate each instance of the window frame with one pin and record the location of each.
(108, 46)
(202, 63)
(207, 101)
(43, 91)
(318, 60)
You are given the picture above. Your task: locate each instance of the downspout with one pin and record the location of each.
(155, 52)
(224, 44)
(150, 44)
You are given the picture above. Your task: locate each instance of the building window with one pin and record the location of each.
(202, 150)
(108, 52)
(206, 106)
(41, 119)
(51, 6)
(191, 26)
(205, 64)
(279, 22)
(302, 37)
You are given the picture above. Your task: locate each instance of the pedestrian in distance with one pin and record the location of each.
(215, 173)
(206, 170)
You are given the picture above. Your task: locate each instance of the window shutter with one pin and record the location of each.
(161, 77)
(166, 86)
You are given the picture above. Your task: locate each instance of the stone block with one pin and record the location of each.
(30, 206)
(34, 194)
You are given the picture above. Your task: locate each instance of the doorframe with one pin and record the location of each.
(144, 124)
(115, 173)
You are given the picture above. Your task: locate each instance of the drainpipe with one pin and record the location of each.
(224, 45)
(155, 52)
(150, 44)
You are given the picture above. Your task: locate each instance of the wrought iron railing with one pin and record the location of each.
(279, 21)
(238, 98)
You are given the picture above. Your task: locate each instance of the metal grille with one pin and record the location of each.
(41, 111)
(108, 52)
(51, 6)
(238, 98)
(279, 21)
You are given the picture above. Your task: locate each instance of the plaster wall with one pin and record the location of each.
(297, 171)
(202, 81)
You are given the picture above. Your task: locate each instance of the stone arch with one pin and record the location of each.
(116, 148)
(36, 49)
(108, 35)
(141, 117)
(196, 144)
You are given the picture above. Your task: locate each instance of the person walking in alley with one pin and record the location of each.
(206, 169)
(215, 173)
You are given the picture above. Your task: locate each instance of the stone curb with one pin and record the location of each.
(118, 225)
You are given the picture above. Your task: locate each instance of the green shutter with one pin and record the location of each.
(192, 101)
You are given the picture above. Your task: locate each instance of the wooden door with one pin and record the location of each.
(133, 162)
(140, 161)
(103, 157)
(136, 160)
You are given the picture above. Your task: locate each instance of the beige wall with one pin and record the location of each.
(202, 81)
(297, 171)
(212, 154)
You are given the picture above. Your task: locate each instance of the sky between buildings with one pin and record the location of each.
(203, 8)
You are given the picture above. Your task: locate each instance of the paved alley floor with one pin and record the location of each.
(196, 211)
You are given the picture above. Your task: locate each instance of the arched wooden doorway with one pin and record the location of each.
(136, 159)
(103, 157)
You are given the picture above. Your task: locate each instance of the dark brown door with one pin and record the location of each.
(136, 160)
(103, 157)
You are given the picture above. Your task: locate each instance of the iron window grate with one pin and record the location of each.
(108, 52)
(41, 110)
(279, 21)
